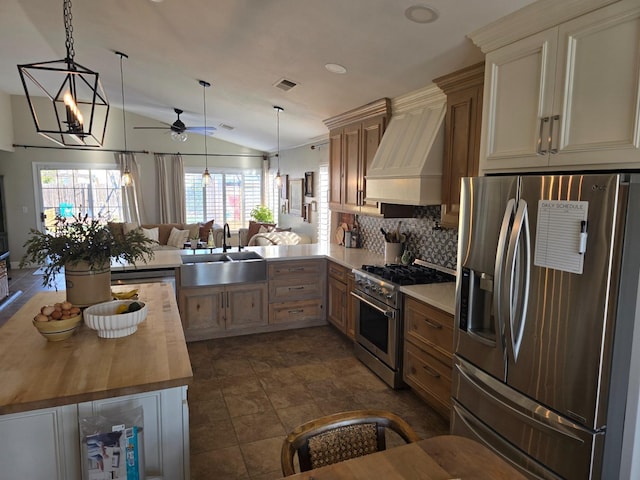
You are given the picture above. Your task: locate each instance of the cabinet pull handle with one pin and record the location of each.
(539, 151)
(437, 326)
(431, 371)
(552, 150)
(296, 269)
(295, 312)
(296, 288)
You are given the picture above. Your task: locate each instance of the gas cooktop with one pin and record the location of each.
(409, 274)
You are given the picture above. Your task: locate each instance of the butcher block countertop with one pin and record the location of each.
(446, 457)
(38, 374)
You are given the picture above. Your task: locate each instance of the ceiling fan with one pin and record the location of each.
(179, 130)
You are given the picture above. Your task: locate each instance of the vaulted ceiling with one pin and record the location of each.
(244, 48)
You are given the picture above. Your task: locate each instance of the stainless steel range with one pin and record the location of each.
(378, 313)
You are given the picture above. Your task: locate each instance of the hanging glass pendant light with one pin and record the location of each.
(127, 179)
(77, 111)
(206, 177)
(278, 176)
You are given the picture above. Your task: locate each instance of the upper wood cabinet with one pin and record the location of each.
(463, 89)
(353, 140)
(566, 98)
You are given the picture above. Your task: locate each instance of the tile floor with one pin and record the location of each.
(249, 391)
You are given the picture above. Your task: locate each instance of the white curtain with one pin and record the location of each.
(132, 205)
(171, 201)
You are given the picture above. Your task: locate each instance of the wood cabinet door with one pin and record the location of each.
(336, 299)
(518, 95)
(597, 88)
(351, 167)
(350, 321)
(335, 168)
(202, 311)
(462, 148)
(372, 131)
(246, 306)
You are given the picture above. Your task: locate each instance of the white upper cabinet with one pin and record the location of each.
(566, 98)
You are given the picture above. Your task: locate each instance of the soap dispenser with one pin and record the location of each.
(210, 242)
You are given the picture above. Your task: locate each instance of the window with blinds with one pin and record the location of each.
(228, 199)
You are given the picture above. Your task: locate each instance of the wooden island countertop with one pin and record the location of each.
(40, 374)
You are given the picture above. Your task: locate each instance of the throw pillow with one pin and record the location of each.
(127, 227)
(194, 229)
(116, 229)
(204, 230)
(254, 227)
(177, 238)
(151, 233)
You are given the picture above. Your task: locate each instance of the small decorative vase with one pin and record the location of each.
(87, 286)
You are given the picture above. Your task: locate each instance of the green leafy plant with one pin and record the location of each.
(262, 213)
(80, 239)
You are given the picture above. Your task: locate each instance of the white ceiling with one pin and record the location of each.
(244, 47)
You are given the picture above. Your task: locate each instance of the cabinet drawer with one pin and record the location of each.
(295, 288)
(428, 325)
(286, 268)
(338, 272)
(295, 311)
(428, 376)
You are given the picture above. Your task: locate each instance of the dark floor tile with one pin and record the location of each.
(212, 435)
(248, 403)
(250, 428)
(290, 396)
(226, 463)
(263, 456)
(293, 416)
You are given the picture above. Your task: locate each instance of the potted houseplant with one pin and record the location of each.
(262, 214)
(84, 248)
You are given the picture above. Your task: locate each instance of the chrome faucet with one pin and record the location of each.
(226, 233)
(239, 241)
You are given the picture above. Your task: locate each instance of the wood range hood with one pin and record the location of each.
(407, 167)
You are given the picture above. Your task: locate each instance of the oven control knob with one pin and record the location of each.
(388, 296)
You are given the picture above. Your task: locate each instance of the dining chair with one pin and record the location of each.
(341, 436)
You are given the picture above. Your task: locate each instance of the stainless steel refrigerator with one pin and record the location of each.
(545, 372)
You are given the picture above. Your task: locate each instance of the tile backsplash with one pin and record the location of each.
(426, 240)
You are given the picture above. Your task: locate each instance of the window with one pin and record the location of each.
(228, 199)
(71, 192)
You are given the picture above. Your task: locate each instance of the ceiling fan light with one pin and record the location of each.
(179, 136)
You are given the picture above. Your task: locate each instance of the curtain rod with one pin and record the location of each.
(82, 149)
(212, 154)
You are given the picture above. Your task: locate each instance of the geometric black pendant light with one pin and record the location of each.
(75, 111)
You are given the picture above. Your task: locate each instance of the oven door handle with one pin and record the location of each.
(387, 313)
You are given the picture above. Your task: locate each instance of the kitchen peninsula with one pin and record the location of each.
(48, 386)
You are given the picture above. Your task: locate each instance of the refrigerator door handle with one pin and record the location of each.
(517, 310)
(499, 266)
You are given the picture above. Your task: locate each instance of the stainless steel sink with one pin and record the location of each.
(242, 256)
(210, 269)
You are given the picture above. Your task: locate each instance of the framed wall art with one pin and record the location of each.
(308, 184)
(295, 196)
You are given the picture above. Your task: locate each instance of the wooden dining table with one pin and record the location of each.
(446, 457)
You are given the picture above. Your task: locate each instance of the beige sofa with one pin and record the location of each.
(161, 233)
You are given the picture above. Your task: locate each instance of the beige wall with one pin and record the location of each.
(17, 166)
(295, 163)
(6, 122)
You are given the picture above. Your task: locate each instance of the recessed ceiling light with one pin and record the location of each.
(335, 68)
(421, 14)
(157, 1)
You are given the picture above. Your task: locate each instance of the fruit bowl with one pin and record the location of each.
(57, 330)
(104, 318)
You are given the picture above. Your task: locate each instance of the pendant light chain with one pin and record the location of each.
(278, 176)
(206, 176)
(124, 119)
(68, 28)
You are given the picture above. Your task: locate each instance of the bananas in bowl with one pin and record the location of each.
(127, 295)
